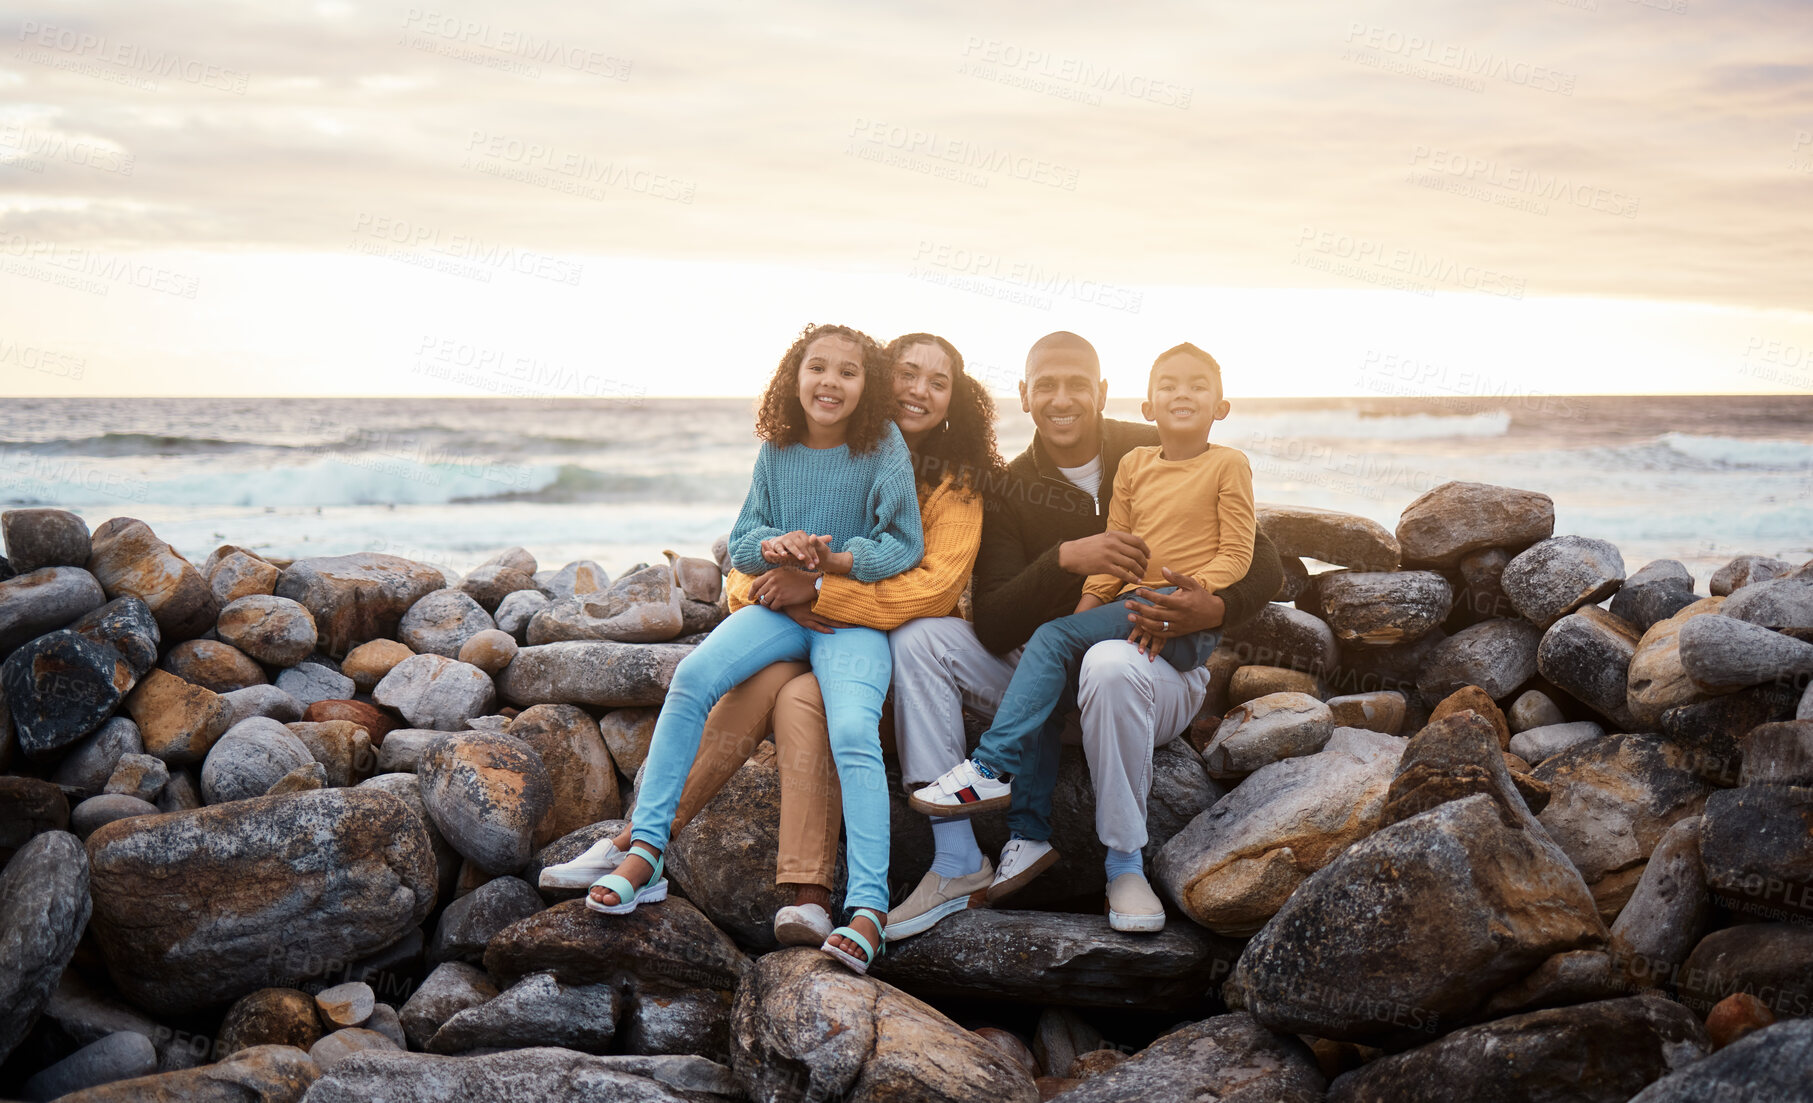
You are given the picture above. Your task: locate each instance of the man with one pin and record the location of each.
(1042, 535)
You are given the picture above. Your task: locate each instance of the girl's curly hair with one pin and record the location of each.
(781, 420)
(964, 445)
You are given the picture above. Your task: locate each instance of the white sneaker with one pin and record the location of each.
(603, 857)
(935, 898)
(1021, 861)
(962, 790)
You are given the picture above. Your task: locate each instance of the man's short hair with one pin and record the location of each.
(1064, 341)
(1185, 349)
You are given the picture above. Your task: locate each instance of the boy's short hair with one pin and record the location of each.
(1185, 349)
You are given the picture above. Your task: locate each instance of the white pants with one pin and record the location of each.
(1129, 706)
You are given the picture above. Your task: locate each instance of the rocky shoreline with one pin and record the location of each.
(1475, 815)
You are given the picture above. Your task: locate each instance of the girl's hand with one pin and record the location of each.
(806, 618)
(792, 548)
(779, 589)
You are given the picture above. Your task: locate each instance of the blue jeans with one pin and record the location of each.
(853, 667)
(1044, 680)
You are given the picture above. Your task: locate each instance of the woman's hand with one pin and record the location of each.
(781, 588)
(806, 618)
(796, 548)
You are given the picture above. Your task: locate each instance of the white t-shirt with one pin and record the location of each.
(1087, 478)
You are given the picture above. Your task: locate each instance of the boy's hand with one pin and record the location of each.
(1190, 608)
(1148, 644)
(1120, 554)
(1086, 603)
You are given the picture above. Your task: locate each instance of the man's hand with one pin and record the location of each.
(1189, 608)
(1120, 554)
(781, 588)
(806, 618)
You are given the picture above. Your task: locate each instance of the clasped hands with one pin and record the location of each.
(792, 591)
(1189, 608)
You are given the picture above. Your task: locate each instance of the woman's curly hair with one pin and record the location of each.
(964, 444)
(781, 420)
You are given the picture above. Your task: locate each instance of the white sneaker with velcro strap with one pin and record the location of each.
(962, 790)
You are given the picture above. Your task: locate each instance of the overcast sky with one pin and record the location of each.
(258, 198)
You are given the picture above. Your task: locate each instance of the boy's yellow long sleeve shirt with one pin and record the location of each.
(1196, 517)
(952, 520)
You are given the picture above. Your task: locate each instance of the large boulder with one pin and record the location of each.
(1747, 569)
(1234, 866)
(805, 1027)
(253, 756)
(1660, 590)
(1265, 730)
(579, 766)
(1757, 846)
(194, 909)
(44, 600)
(1590, 1053)
(357, 597)
(1770, 1064)
(1784, 604)
(643, 606)
(1552, 579)
(1588, 654)
(1278, 635)
(433, 691)
(276, 631)
(44, 537)
(267, 1074)
(543, 1074)
(1455, 518)
(1770, 961)
(1344, 539)
(44, 907)
(467, 924)
(1385, 607)
(537, 1010)
(1656, 681)
(1496, 655)
(1227, 1059)
(128, 558)
(1721, 653)
(59, 687)
(441, 622)
(486, 792)
(600, 673)
(1667, 912)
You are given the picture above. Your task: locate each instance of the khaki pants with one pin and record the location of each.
(783, 697)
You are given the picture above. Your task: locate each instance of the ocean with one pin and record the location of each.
(452, 480)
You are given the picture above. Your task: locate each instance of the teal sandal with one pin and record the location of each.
(628, 895)
(856, 964)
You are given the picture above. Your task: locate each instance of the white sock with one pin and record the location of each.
(955, 853)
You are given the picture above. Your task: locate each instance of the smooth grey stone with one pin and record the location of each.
(97, 812)
(1533, 709)
(403, 747)
(486, 793)
(138, 775)
(537, 1010)
(591, 672)
(1265, 730)
(1588, 654)
(1770, 1064)
(266, 700)
(385, 1021)
(181, 793)
(250, 758)
(468, 923)
(1784, 604)
(433, 691)
(440, 623)
(44, 537)
(84, 770)
(576, 579)
(454, 986)
(1495, 655)
(336, 1047)
(1557, 576)
(44, 907)
(1666, 915)
(541, 1073)
(1744, 570)
(517, 609)
(1725, 653)
(44, 600)
(1537, 744)
(310, 682)
(119, 1056)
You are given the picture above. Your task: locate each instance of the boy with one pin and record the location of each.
(1192, 503)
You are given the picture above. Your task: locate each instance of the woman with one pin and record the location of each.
(947, 420)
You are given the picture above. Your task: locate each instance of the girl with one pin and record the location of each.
(833, 491)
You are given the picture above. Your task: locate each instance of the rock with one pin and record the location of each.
(1414, 926)
(1572, 977)
(489, 584)
(607, 675)
(343, 1043)
(1537, 745)
(1344, 539)
(376, 722)
(1041, 957)
(312, 682)
(1060, 1038)
(1385, 607)
(1533, 709)
(1093, 1064)
(1746, 569)
(408, 788)
(1456, 518)
(805, 1027)
(122, 1055)
(138, 775)
(486, 793)
(1778, 754)
(579, 768)
(1757, 846)
(181, 793)
(441, 622)
(516, 611)
(1803, 712)
(342, 747)
(1234, 866)
(59, 687)
(643, 606)
(1710, 729)
(1296, 579)
(178, 721)
(277, 631)
(1497, 656)
(1658, 591)
(668, 947)
(28, 808)
(348, 1004)
(96, 812)
(128, 558)
(44, 907)
(1557, 576)
(274, 890)
(277, 1074)
(1452, 757)
(44, 537)
(44, 600)
(1379, 711)
(578, 578)
(214, 666)
(126, 625)
(1666, 913)
(454, 986)
(1725, 653)
(543, 1073)
(358, 597)
(1595, 1053)
(1249, 683)
(268, 701)
(1278, 635)
(1784, 604)
(1227, 1058)
(1770, 1064)
(367, 663)
(302, 779)
(1771, 961)
(249, 759)
(241, 574)
(535, 1011)
(626, 734)
(1588, 654)
(85, 768)
(1008, 1043)
(1474, 699)
(466, 927)
(1613, 799)
(1479, 593)
(78, 1014)
(402, 749)
(432, 691)
(565, 849)
(270, 1016)
(1270, 728)
(698, 579)
(1656, 681)
(1735, 1016)
(691, 1022)
(490, 650)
